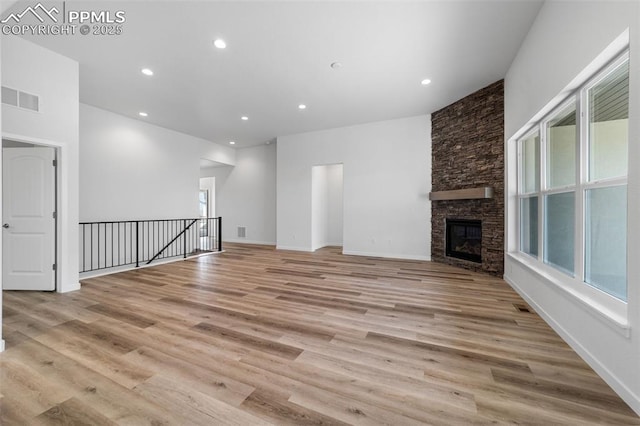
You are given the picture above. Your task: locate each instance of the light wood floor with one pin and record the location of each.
(257, 336)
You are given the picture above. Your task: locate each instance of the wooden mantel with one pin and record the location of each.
(462, 194)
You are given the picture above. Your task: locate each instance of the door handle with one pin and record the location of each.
(5, 226)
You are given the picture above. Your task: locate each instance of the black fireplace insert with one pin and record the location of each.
(464, 239)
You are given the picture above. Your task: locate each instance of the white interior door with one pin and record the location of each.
(28, 230)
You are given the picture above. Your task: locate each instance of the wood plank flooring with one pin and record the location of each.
(257, 336)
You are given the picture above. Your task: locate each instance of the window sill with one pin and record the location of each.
(616, 318)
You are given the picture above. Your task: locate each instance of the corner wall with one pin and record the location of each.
(387, 179)
(560, 45)
(1, 339)
(246, 195)
(4, 5)
(468, 152)
(31, 68)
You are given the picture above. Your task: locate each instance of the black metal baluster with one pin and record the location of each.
(91, 247)
(112, 245)
(153, 239)
(137, 248)
(84, 248)
(183, 248)
(105, 245)
(119, 244)
(145, 246)
(98, 246)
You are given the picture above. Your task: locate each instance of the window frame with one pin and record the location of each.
(526, 195)
(546, 190)
(576, 283)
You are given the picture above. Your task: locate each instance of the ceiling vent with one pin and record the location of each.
(20, 99)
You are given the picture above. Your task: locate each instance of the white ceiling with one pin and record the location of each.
(278, 55)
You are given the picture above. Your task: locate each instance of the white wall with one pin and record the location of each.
(319, 210)
(130, 169)
(387, 178)
(563, 35)
(54, 78)
(4, 5)
(214, 152)
(1, 339)
(246, 195)
(334, 204)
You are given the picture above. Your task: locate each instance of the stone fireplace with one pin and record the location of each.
(467, 199)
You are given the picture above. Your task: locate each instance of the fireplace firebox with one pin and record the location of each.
(464, 239)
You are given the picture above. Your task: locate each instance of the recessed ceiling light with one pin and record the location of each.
(425, 82)
(143, 114)
(336, 65)
(146, 71)
(302, 106)
(244, 117)
(232, 143)
(220, 43)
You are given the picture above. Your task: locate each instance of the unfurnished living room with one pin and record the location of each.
(320, 212)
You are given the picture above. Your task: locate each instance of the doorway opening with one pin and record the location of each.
(326, 206)
(207, 197)
(29, 216)
(207, 209)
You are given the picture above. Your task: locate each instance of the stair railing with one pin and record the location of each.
(113, 244)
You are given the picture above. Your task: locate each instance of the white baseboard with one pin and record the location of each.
(75, 287)
(327, 244)
(245, 241)
(612, 380)
(115, 270)
(308, 250)
(1, 345)
(386, 255)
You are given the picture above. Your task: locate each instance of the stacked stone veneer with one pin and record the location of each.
(468, 152)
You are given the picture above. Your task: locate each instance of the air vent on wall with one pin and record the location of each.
(20, 99)
(28, 101)
(242, 232)
(9, 96)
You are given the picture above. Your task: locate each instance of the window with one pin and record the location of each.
(561, 148)
(559, 231)
(572, 191)
(204, 212)
(606, 190)
(204, 203)
(606, 240)
(529, 186)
